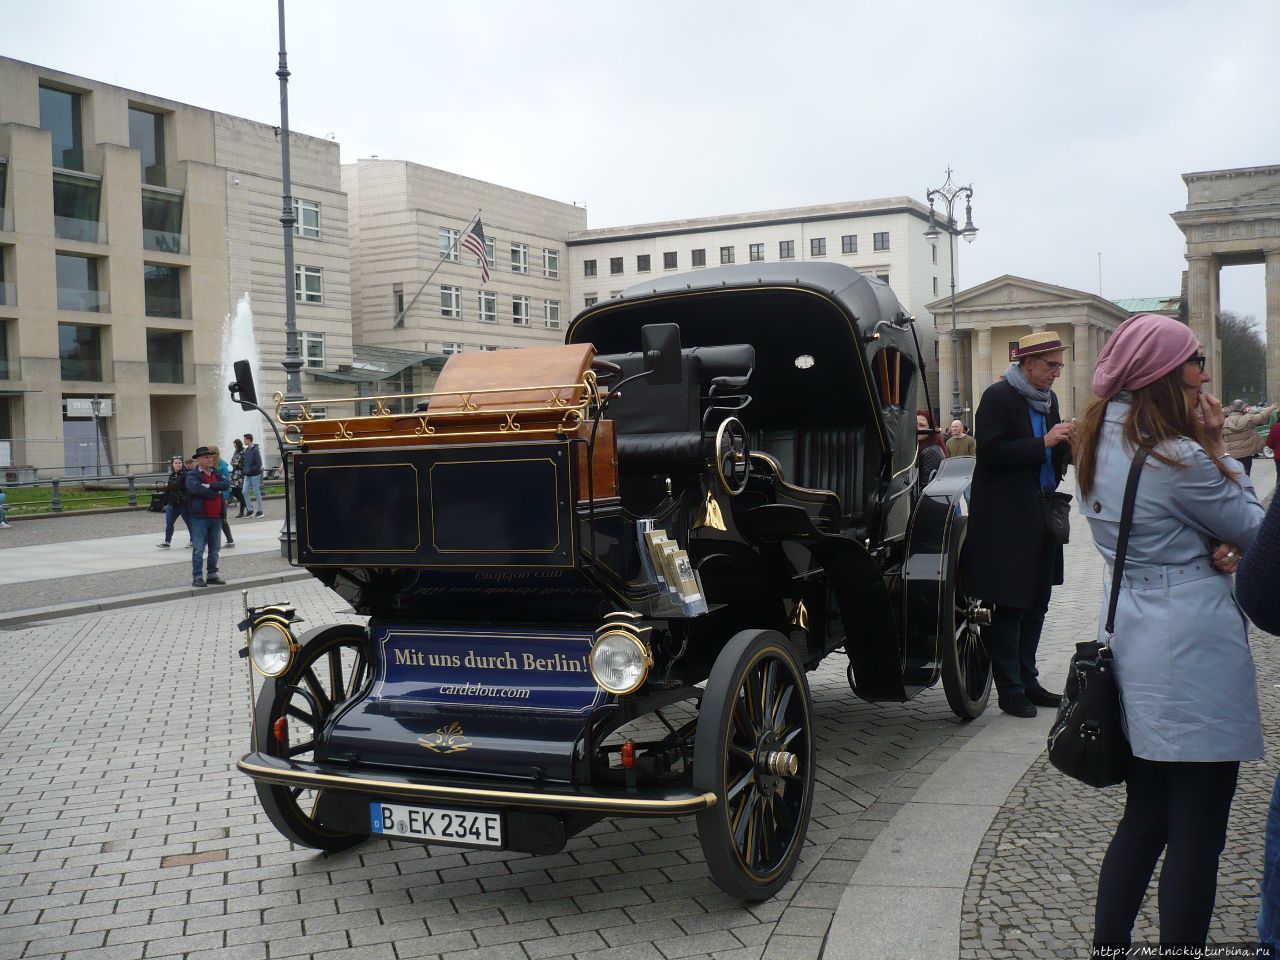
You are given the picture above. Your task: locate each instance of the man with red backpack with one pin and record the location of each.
(205, 489)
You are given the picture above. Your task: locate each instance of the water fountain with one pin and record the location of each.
(238, 343)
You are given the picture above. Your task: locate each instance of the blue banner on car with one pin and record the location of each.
(497, 668)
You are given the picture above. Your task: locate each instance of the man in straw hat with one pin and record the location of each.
(1010, 559)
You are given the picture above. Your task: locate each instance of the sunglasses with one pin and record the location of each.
(1198, 360)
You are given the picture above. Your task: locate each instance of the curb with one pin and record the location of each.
(20, 619)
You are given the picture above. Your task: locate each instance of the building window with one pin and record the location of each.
(162, 289)
(669, 261)
(590, 300)
(397, 303)
(698, 258)
(447, 239)
(451, 302)
(551, 314)
(489, 348)
(520, 311)
(588, 268)
(551, 264)
(306, 215)
(312, 347)
(756, 251)
(726, 254)
(146, 135)
(164, 356)
(450, 348)
(308, 284)
(849, 243)
(80, 351)
(162, 221)
(786, 249)
(935, 286)
(75, 208)
(519, 258)
(491, 251)
(488, 306)
(818, 247)
(884, 277)
(934, 248)
(615, 264)
(642, 263)
(881, 241)
(60, 115)
(77, 279)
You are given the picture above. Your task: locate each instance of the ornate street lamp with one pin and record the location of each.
(948, 194)
(292, 354)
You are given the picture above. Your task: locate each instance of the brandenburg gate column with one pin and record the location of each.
(1081, 368)
(1273, 326)
(982, 364)
(1202, 307)
(945, 364)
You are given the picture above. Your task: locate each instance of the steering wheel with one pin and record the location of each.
(733, 463)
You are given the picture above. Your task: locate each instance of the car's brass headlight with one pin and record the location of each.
(271, 648)
(620, 661)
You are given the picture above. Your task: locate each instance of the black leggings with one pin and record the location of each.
(238, 493)
(1180, 809)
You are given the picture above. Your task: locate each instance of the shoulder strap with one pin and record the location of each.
(1122, 540)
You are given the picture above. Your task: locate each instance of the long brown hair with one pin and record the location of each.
(1159, 412)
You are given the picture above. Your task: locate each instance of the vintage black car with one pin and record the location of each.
(596, 576)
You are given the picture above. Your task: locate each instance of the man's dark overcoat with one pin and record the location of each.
(1007, 540)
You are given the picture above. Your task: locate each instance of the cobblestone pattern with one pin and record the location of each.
(126, 833)
(1035, 877)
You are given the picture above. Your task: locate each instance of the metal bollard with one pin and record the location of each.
(56, 504)
(133, 492)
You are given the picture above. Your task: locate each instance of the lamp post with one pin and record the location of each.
(948, 194)
(292, 354)
(95, 406)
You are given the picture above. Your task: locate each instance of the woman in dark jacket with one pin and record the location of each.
(930, 448)
(237, 477)
(175, 500)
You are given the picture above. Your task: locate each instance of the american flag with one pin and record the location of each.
(474, 243)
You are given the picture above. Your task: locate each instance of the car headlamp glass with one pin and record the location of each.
(271, 649)
(620, 662)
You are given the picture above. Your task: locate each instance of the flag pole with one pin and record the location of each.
(447, 257)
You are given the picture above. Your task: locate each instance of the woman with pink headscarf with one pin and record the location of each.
(1182, 659)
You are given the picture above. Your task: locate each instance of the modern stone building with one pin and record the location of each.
(993, 316)
(880, 238)
(131, 226)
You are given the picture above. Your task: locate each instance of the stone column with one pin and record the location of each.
(982, 374)
(1273, 326)
(945, 365)
(1081, 367)
(1202, 307)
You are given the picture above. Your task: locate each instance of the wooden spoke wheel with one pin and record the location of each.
(331, 666)
(754, 750)
(966, 661)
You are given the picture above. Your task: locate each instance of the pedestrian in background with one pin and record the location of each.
(175, 500)
(1011, 559)
(4, 524)
(1241, 435)
(1273, 444)
(224, 473)
(253, 474)
(930, 449)
(206, 494)
(237, 477)
(960, 444)
(1182, 662)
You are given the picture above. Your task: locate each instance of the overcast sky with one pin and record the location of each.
(1073, 120)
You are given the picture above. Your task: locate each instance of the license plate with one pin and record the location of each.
(437, 824)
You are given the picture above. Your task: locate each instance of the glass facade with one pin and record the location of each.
(163, 290)
(7, 372)
(164, 356)
(60, 115)
(80, 350)
(76, 202)
(162, 221)
(146, 135)
(77, 279)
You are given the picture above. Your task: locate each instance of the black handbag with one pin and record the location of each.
(1087, 741)
(1057, 514)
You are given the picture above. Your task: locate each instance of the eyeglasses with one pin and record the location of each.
(1198, 360)
(1051, 364)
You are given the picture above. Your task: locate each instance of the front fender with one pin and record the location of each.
(934, 540)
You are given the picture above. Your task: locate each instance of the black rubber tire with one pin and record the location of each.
(286, 807)
(753, 836)
(966, 663)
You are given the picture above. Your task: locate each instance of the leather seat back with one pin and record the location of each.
(821, 458)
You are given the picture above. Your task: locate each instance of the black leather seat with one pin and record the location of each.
(822, 458)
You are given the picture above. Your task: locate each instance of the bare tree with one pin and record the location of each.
(1244, 357)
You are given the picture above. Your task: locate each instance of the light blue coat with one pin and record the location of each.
(1181, 647)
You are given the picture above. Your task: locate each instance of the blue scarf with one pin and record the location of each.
(1039, 399)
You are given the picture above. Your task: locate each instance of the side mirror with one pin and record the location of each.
(243, 391)
(660, 344)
